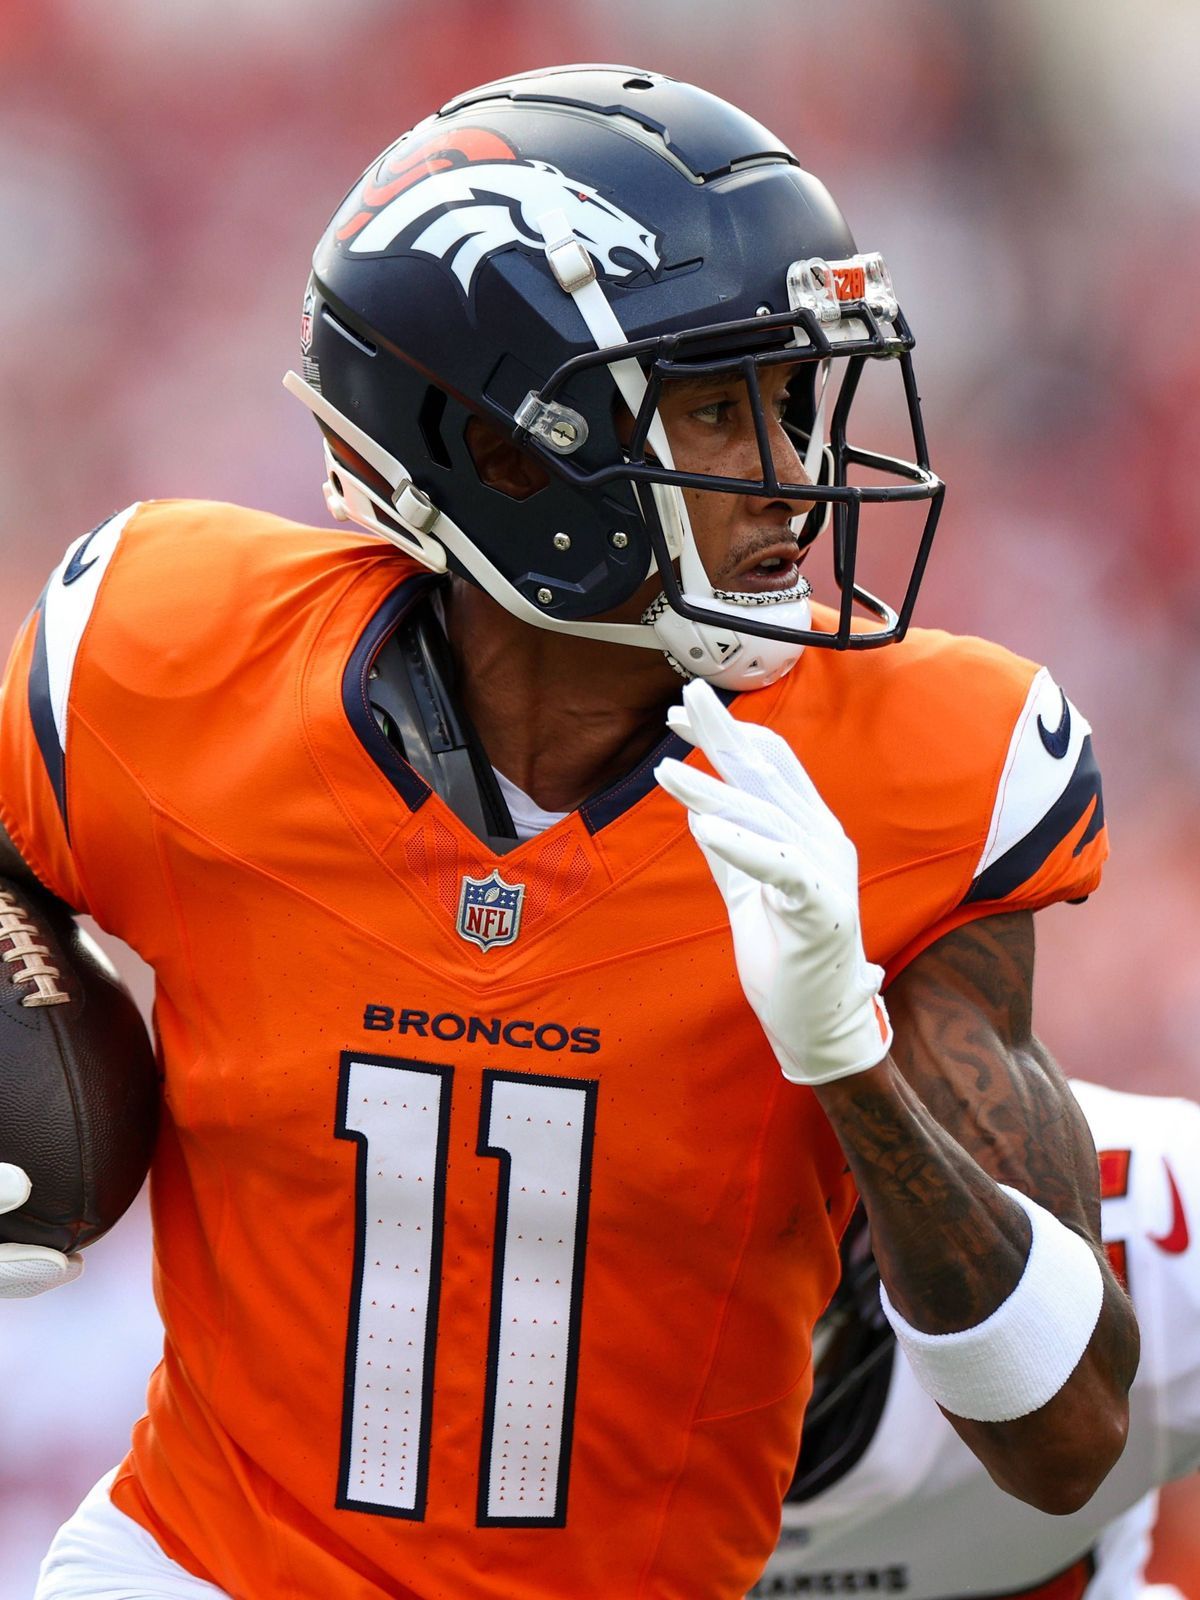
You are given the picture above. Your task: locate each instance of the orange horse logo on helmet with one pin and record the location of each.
(465, 194)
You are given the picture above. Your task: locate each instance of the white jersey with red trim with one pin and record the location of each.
(916, 1514)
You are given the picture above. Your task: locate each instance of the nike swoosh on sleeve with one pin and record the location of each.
(1177, 1237)
(1057, 740)
(76, 567)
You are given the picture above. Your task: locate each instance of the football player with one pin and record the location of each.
(521, 1020)
(887, 1498)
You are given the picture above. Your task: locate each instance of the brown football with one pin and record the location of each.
(79, 1085)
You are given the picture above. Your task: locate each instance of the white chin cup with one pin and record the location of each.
(725, 658)
(729, 659)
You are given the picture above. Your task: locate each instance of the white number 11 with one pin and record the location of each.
(540, 1130)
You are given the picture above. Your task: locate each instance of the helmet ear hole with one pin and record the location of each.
(502, 465)
(429, 420)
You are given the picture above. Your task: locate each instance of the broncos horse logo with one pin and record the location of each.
(463, 197)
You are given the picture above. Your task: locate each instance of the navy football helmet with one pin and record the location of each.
(545, 253)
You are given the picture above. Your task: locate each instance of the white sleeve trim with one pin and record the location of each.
(1034, 777)
(70, 595)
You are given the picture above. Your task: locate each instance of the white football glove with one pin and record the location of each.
(789, 876)
(28, 1269)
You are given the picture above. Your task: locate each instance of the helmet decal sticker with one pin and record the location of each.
(306, 317)
(461, 199)
(406, 163)
(312, 371)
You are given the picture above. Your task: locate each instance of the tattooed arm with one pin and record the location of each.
(967, 1099)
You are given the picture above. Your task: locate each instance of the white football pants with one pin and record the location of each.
(101, 1554)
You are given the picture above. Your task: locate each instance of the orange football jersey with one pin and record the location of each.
(489, 1238)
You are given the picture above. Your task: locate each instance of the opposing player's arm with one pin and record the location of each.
(968, 1099)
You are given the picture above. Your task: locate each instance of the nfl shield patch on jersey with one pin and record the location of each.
(489, 910)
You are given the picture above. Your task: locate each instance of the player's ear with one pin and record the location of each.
(501, 465)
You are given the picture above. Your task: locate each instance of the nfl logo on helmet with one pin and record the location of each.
(489, 910)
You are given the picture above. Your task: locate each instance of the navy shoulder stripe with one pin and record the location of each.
(41, 716)
(1019, 863)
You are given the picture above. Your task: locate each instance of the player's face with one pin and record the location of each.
(746, 543)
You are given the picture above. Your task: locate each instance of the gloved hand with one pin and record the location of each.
(789, 876)
(28, 1269)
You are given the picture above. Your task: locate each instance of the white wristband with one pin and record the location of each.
(1012, 1362)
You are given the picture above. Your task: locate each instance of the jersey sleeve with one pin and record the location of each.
(1046, 840)
(36, 711)
(1149, 1150)
(1032, 805)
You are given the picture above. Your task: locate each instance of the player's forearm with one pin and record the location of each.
(952, 1246)
(949, 1243)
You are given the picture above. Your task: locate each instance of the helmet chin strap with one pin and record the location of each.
(725, 657)
(731, 660)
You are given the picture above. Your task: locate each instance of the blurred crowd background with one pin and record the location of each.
(1030, 168)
